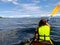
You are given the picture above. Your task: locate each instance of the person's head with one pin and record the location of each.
(42, 22)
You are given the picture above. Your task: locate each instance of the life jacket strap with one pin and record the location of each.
(43, 36)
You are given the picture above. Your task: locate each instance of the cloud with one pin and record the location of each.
(35, 10)
(58, 3)
(30, 7)
(21, 16)
(55, 4)
(14, 13)
(12, 1)
(36, 1)
(27, 10)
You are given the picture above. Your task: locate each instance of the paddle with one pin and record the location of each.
(55, 10)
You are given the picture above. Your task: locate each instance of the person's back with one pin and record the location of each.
(44, 33)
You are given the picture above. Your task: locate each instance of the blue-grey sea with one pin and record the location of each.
(15, 30)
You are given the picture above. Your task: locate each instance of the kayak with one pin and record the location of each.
(40, 43)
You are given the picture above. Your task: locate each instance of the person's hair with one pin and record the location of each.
(42, 22)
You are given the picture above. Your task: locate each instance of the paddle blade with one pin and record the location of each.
(55, 10)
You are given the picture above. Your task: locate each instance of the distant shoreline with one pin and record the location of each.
(1, 17)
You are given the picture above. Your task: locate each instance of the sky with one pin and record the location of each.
(27, 8)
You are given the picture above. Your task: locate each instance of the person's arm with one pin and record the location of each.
(47, 24)
(36, 31)
(36, 35)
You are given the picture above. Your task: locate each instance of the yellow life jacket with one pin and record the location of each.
(44, 33)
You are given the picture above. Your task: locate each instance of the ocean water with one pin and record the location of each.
(15, 30)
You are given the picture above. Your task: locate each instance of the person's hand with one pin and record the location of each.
(47, 24)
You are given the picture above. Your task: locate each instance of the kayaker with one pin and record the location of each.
(42, 33)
